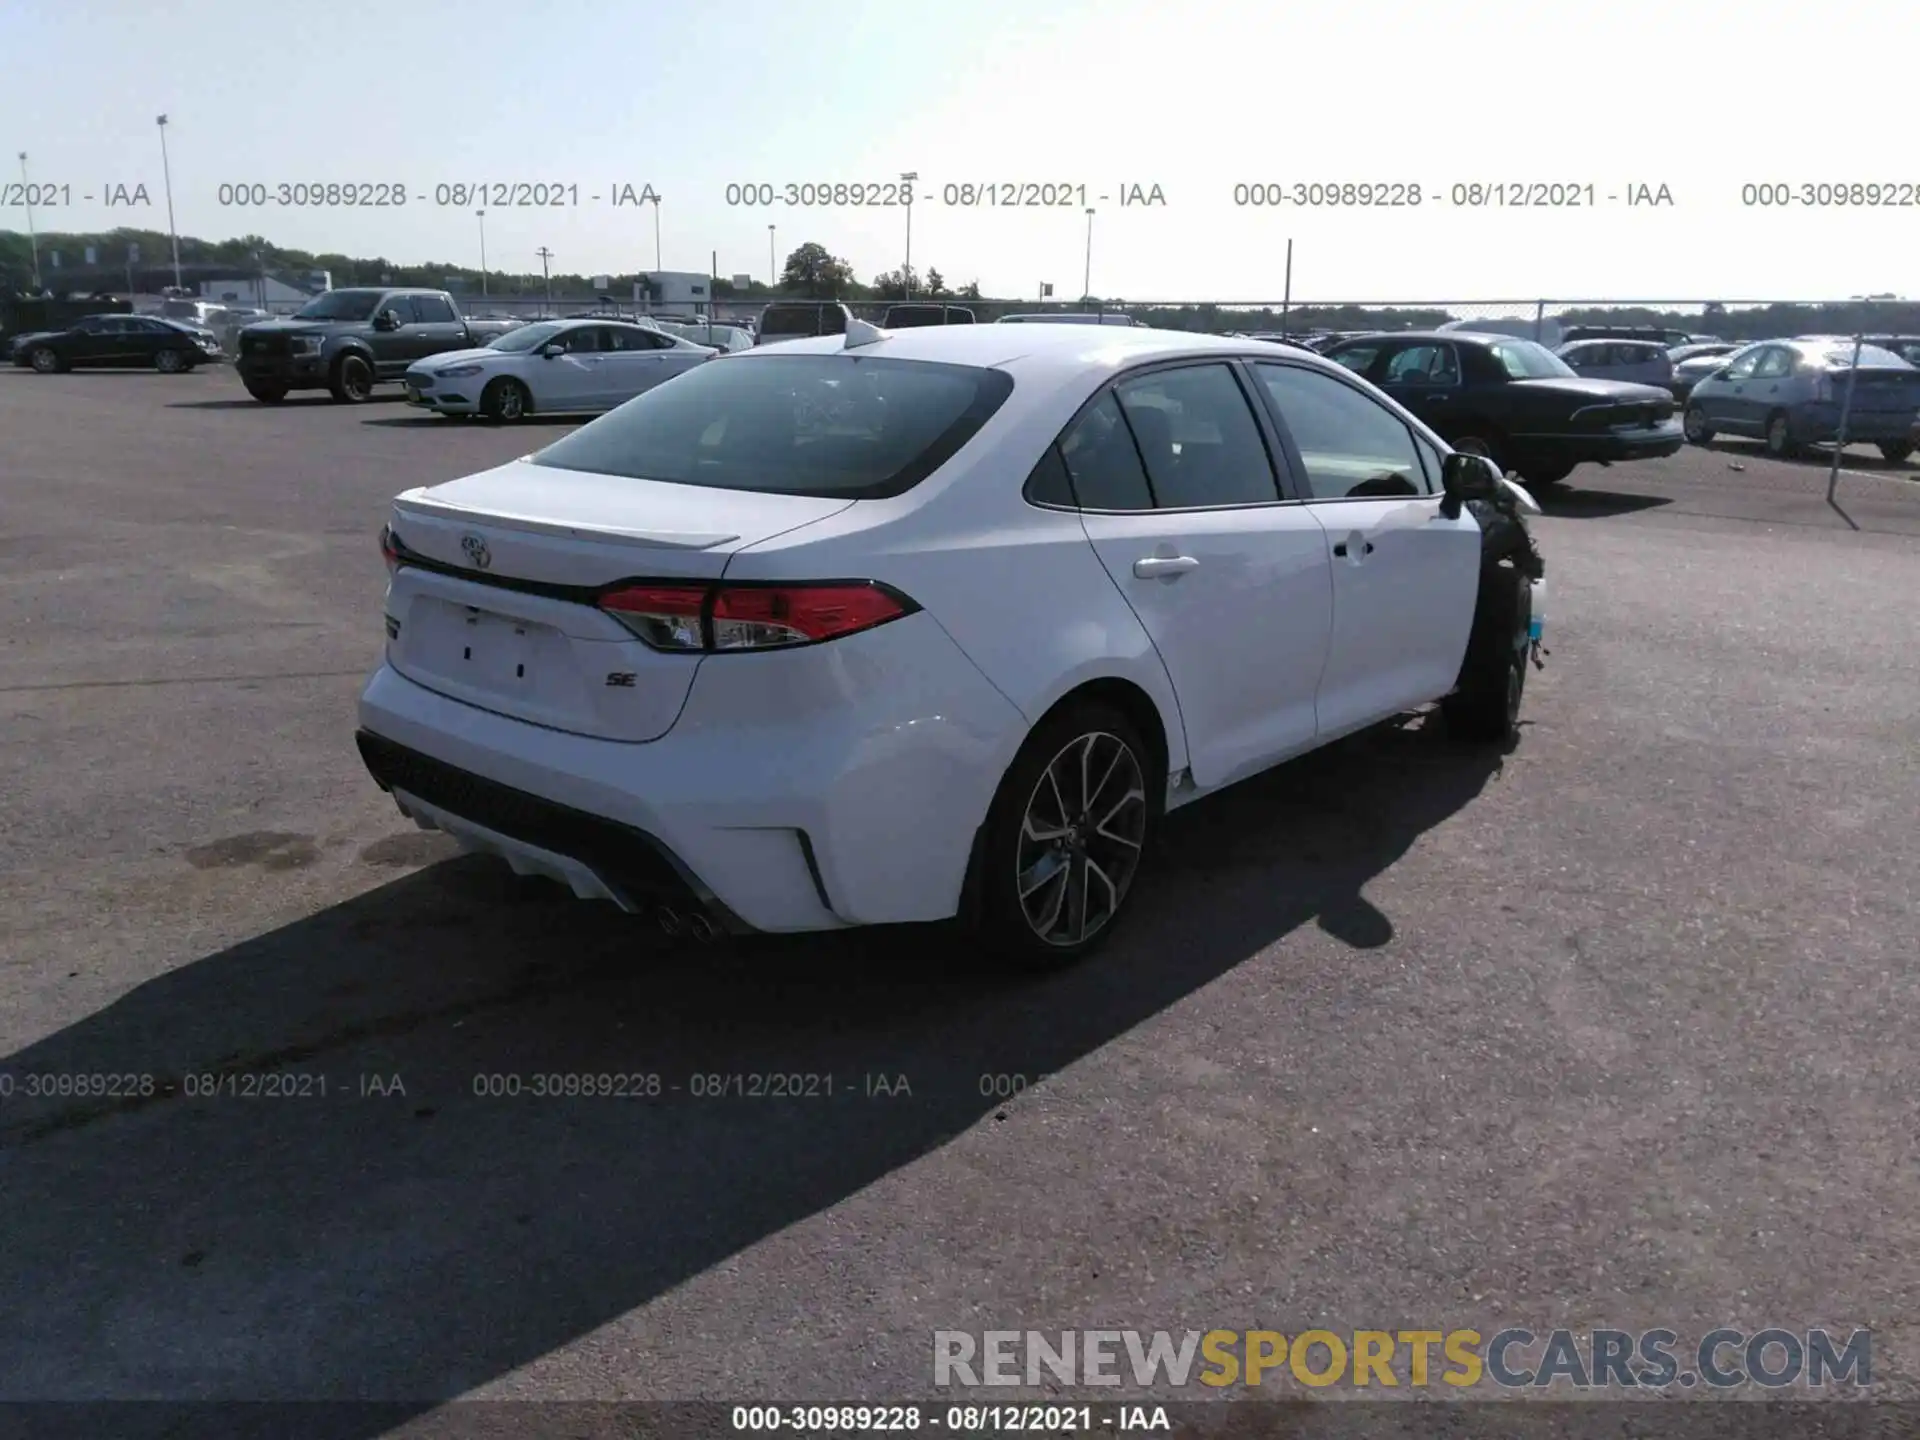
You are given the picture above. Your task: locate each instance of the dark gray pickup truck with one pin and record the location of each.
(348, 341)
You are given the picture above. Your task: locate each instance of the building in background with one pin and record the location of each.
(673, 292)
(263, 292)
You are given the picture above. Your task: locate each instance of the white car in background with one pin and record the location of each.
(902, 627)
(730, 338)
(554, 367)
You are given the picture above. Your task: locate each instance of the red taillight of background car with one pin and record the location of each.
(732, 618)
(389, 548)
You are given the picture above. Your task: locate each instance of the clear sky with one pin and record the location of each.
(1192, 97)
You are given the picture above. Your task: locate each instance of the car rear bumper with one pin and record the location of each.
(1816, 424)
(817, 812)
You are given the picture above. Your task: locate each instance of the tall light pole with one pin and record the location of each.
(33, 241)
(166, 169)
(773, 270)
(907, 177)
(546, 256)
(483, 252)
(1086, 283)
(656, 235)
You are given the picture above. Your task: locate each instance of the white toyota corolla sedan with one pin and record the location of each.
(553, 367)
(931, 624)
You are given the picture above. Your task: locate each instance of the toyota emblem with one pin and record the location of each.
(475, 549)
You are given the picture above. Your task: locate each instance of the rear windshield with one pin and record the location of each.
(839, 426)
(803, 320)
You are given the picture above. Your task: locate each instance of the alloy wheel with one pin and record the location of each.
(1081, 838)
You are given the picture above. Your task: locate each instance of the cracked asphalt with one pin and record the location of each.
(1614, 1030)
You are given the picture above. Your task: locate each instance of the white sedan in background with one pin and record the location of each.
(902, 627)
(730, 338)
(556, 367)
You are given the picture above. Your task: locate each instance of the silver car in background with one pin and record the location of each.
(1789, 393)
(1639, 362)
(1692, 363)
(554, 367)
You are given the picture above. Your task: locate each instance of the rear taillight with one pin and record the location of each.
(667, 617)
(389, 549)
(1823, 388)
(701, 619)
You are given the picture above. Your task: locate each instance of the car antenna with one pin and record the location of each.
(862, 332)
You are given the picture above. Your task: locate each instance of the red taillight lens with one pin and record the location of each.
(751, 617)
(667, 617)
(389, 549)
(758, 618)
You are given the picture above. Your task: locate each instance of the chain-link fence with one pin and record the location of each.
(1552, 322)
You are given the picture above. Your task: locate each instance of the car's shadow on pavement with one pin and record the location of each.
(1854, 458)
(299, 400)
(531, 422)
(1577, 502)
(415, 1232)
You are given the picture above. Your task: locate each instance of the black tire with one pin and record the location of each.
(1693, 421)
(45, 360)
(266, 394)
(1485, 705)
(1014, 933)
(170, 362)
(1780, 442)
(1538, 477)
(1897, 452)
(506, 399)
(351, 382)
(1481, 440)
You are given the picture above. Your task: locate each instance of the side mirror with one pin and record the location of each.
(1467, 477)
(553, 349)
(387, 320)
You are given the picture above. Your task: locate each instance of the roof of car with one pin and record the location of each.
(1609, 340)
(1058, 348)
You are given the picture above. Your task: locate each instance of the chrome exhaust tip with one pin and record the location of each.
(669, 920)
(702, 929)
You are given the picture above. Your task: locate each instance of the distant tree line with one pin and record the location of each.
(812, 271)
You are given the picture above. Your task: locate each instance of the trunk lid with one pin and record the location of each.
(495, 607)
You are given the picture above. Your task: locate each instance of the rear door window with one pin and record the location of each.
(1198, 438)
(433, 310)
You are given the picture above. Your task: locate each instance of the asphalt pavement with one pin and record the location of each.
(1615, 1029)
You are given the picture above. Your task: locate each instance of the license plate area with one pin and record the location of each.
(481, 651)
(496, 652)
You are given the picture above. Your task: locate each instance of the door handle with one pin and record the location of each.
(1340, 550)
(1156, 566)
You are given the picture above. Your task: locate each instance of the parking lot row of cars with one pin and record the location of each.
(1602, 395)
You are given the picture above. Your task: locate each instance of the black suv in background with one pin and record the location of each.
(347, 341)
(799, 320)
(911, 316)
